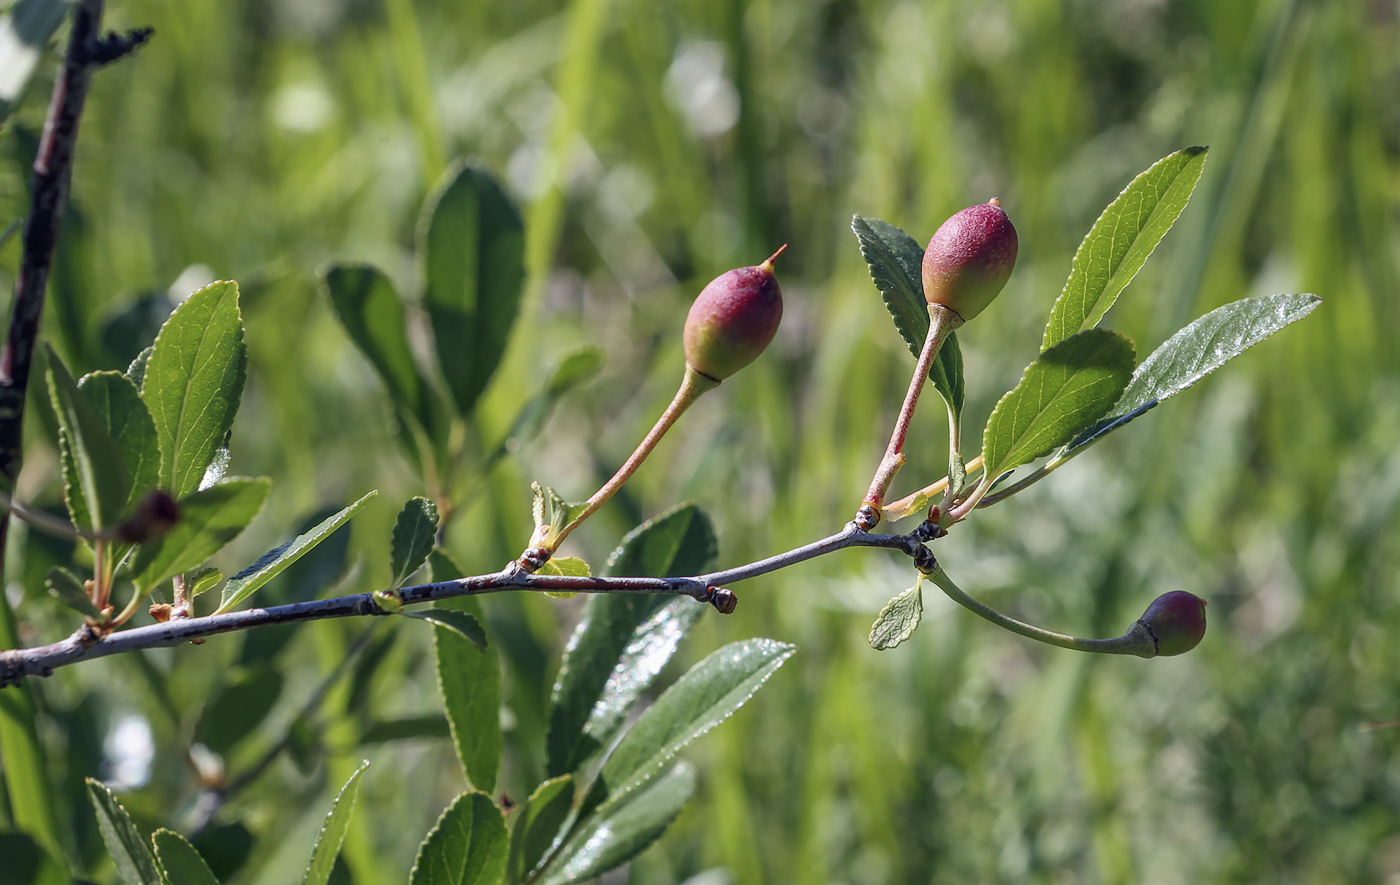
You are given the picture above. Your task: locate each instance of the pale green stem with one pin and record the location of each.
(1137, 641)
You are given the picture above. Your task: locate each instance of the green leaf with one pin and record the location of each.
(441, 566)
(332, 835)
(604, 843)
(467, 846)
(573, 369)
(209, 519)
(1067, 388)
(201, 580)
(709, 693)
(899, 618)
(64, 586)
(31, 802)
(461, 623)
(624, 639)
(431, 726)
(181, 863)
(1119, 243)
(95, 482)
(1197, 350)
(136, 372)
(193, 383)
(473, 246)
(470, 681)
(118, 404)
(372, 314)
(415, 532)
(27, 863)
(551, 513)
(239, 707)
(133, 859)
(896, 262)
(567, 567)
(275, 561)
(537, 828)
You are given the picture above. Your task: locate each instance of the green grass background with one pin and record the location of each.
(258, 140)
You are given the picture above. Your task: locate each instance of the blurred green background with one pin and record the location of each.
(652, 146)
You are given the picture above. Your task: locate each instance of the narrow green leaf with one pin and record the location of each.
(209, 519)
(896, 262)
(384, 730)
(95, 482)
(275, 561)
(415, 532)
(370, 310)
(1067, 388)
(467, 846)
(202, 580)
(1121, 240)
(193, 383)
(607, 842)
(240, 706)
(573, 369)
(64, 586)
(709, 693)
(899, 618)
(25, 774)
(136, 372)
(181, 863)
(473, 246)
(1197, 350)
(332, 835)
(624, 639)
(119, 406)
(134, 861)
(537, 828)
(470, 681)
(461, 623)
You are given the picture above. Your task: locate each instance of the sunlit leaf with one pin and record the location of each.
(118, 404)
(467, 846)
(537, 827)
(415, 532)
(95, 481)
(181, 863)
(473, 245)
(624, 639)
(551, 513)
(209, 519)
(134, 861)
(332, 835)
(470, 681)
(1121, 240)
(193, 383)
(899, 618)
(1067, 389)
(565, 567)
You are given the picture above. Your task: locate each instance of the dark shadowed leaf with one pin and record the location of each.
(134, 861)
(372, 314)
(332, 834)
(67, 589)
(95, 481)
(473, 246)
(240, 707)
(415, 532)
(537, 827)
(573, 369)
(470, 681)
(181, 863)
(461, 623)
(467, 846)
(118, 403)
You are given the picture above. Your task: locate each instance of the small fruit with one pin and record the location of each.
(1177, 621)
(157, 514)
(733, 319)
(969, 259)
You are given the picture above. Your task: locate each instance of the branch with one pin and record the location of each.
(88, 643)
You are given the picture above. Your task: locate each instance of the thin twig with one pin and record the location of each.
(88, 643)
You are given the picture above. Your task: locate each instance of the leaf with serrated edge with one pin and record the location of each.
(551, 513)
(1197, 350)
(193, 383)
(133, 859)
(67, 589)
(564, 567)
(136, 372)
(1121, 240)
(118, 403)
(275, 561)
(461, 623)
(899, 618)
(202, 580)
(181, 863)
(709, 693)
(896, 264)
(95, 482)
(624, 639)
(537, 828)
(332, 835)
(209, 519)
(467, 846)
(1067, 388)
(415, 531)
(470, 682)
(473, 243)
(605, 843)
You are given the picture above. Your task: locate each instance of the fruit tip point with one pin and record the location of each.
(994, 202)
(771, 258)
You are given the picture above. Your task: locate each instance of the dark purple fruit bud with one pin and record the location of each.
(969, 259)
(1177, 621)
(733, 320)
(155, 515)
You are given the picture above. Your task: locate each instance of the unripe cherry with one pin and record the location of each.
(969, 259)
(733, 319)
(1177, 621)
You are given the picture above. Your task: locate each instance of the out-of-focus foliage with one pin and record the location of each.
(651, 147)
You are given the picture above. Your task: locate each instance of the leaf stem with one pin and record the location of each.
(915, 503)
(1137, 641)
(942, 322)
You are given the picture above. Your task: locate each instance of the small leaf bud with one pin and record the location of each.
(733, 319)
(155, 515)
(969, 259)
(1177, 621)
